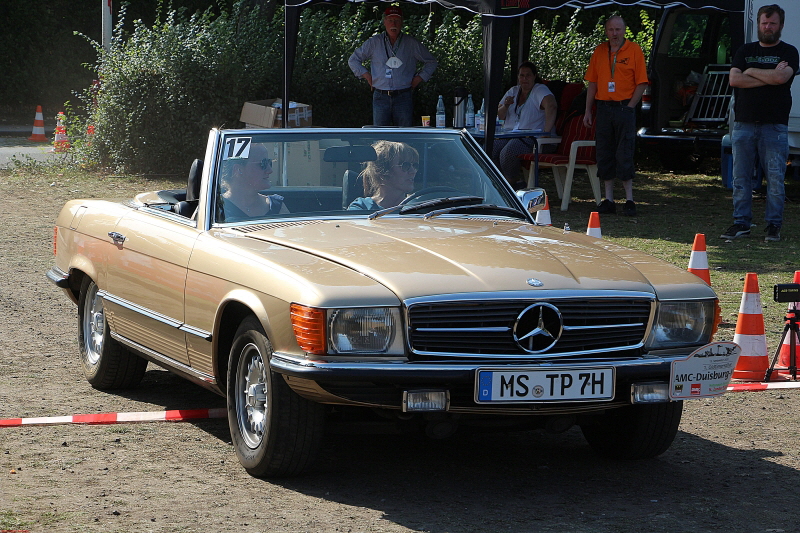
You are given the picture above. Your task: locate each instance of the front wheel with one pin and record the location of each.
(634, 432)
(106, 363)
(274, 431)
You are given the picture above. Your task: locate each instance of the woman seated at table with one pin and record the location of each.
(242, 182)
(388, 179)
(527, 106)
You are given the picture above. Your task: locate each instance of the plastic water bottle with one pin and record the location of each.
(440, 117)
(470, 124)
(480, 118)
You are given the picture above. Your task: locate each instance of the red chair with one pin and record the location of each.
(576, 150)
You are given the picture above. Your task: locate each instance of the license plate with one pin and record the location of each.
(552, 385)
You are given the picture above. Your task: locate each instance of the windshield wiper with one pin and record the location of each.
(454, 201)
(479, 208)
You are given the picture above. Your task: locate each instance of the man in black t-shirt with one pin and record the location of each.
(761, 75)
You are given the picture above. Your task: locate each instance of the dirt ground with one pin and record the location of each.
(735, 465)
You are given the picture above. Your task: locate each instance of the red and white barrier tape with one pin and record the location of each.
(175, 415)
(758, 386)
(182, 415)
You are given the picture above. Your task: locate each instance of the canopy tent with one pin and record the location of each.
(497, 17)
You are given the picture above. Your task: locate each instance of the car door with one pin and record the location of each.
(146, 280)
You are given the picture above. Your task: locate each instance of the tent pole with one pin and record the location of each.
(291, 27)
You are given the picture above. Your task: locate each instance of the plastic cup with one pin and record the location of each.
(426, 121)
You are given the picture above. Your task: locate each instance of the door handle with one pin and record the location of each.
(117, 237)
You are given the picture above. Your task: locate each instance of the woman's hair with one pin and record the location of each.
(530, 65)
(375, 172)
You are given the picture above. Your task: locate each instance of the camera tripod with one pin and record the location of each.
(791, 328)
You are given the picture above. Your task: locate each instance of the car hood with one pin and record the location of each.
(416, 257)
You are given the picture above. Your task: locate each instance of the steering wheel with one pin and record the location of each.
(428, 190)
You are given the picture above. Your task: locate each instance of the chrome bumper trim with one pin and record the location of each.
(58, 277)
(293, 365)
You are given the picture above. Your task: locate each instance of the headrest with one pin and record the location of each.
(193, 183)
(349, 154)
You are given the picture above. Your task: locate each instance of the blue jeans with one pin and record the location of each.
(393, 110)
(770, 144)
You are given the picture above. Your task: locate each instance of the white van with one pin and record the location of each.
(687, 109)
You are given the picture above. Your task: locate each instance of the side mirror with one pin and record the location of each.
(532, 199)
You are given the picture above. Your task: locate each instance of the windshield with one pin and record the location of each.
(264, 174)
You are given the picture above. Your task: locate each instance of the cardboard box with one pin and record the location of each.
(269, 113)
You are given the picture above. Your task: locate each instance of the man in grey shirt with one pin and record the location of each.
(393, 74)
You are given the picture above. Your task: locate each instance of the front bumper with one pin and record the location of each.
(381, 384)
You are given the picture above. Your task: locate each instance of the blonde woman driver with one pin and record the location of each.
(388, 179)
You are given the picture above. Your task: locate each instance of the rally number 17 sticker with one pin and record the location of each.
(237, 148)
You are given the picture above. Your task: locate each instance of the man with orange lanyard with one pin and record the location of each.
(617, 77)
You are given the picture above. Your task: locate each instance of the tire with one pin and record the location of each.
(275, 432)
(106, 363)
(634, 432)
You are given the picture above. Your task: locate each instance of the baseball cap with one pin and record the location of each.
(393, 11)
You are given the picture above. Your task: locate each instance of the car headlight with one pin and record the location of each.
(365, 330)
(358, 330)
(682, 323)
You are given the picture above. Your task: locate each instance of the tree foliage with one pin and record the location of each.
(165, 84)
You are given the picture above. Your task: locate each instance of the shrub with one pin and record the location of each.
(164, 86)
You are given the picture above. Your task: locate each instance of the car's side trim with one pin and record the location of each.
(158, 317)
(163, 360)
(58, 277)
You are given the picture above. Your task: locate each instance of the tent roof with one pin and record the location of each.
(516, 8)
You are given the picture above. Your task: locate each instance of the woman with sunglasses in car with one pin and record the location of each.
(388, 179)
(242, 196)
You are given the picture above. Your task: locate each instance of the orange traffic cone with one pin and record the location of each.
(594, 225)
(698, 261)
(784, 359)
(543, 216)
(61, 143)
(753, 361)
(38, 127)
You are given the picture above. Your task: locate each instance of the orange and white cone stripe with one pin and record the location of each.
(784, 357)
(38, 127)
(543, 216)
(750, 335)
(698, 261)
(174, 415)
(61, 142)
(593, 230)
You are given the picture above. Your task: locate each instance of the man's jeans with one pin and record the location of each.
(392, 110)
(616, 140)
(767, 144)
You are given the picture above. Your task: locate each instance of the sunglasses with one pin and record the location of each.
(264, 163)
(407, 165)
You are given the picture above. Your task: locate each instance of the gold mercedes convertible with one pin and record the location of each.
(307, 271)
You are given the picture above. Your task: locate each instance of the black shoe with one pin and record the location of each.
(629, 210)
(607, 207)
(736, 231)
(773, 233)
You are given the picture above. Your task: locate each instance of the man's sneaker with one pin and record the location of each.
(629, 210)
(773, 233)
(736, 231)
(607, 207)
